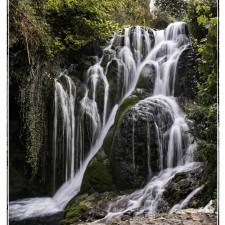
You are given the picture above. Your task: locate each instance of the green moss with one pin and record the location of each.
(97, 177)
(108, 142)
(123, 109)
(72, 214)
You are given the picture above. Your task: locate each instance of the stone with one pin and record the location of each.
(133, 129)
(147, 78)
(187, 75)
(182, 185)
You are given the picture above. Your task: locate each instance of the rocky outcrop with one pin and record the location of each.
(86, 209)
(115, 77)
(187, 75)
(182, 185)
(147, 78)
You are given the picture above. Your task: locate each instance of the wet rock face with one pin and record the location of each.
(115, 77)
(97, 177)
(118, 41)
(88, 208)
(98, 94)
(133, 38)
(108, 55)
(135, 137)
(182, 185)
(187, 75)
(147, 78)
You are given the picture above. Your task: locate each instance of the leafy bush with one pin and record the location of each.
(203, 23)
(176, 8)
(75, 23)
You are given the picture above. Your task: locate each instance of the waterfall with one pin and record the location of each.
(64, 106)
(135, 52)
(164, 57)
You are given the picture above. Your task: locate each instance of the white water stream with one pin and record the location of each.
(131, 58)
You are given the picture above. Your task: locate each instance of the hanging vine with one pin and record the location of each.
(29, 36)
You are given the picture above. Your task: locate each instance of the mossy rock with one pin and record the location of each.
(123, 109)
(74, 214)
(128, 159)
(97, 177)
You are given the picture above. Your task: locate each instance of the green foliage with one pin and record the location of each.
(199, 12)
(176, 8)
(30, 49)
(28, 28)
(161, 20)
(76, 23)
(33, 98)
(208, 63)
(203, 24)
(132, 12)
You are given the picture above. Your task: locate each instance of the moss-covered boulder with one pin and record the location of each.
(135, 149)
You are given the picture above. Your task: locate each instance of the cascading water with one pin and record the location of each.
(164, 57)
(137, 50)
(65, 105)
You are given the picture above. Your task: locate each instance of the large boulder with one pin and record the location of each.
(134, 153)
